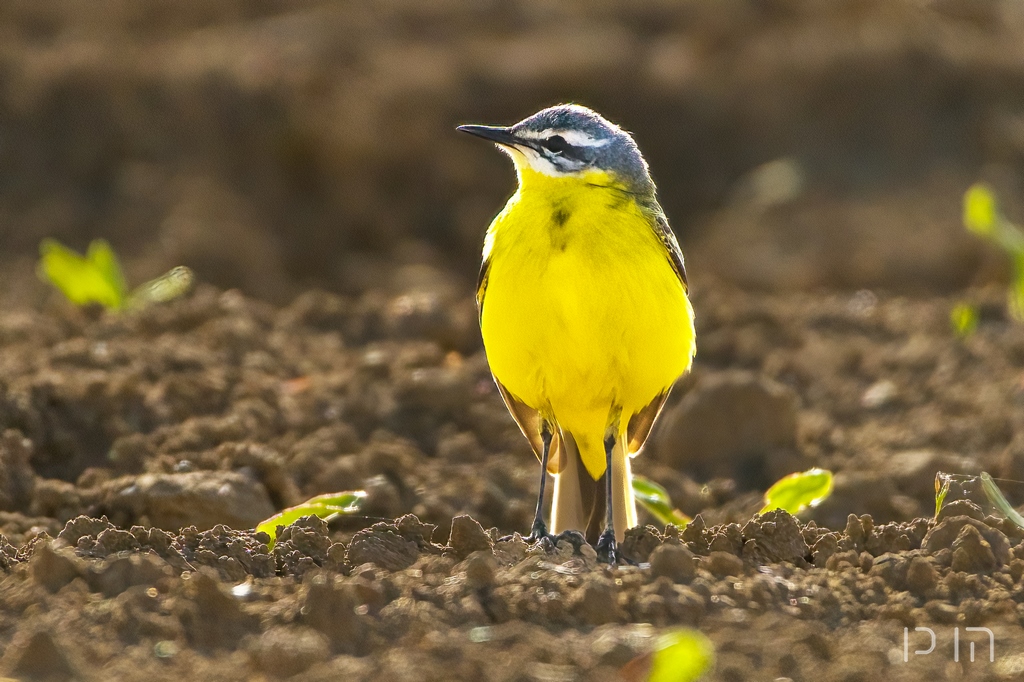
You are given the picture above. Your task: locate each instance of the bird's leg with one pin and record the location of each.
(539, 530)
(607, 550)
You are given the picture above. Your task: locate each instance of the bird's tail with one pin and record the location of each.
(579, 501)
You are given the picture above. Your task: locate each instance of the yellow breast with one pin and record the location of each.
(583, 315)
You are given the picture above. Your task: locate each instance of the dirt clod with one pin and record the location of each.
(384, 546)
(674, 562)
(210, 616)
(971, 552)
(945, 534)
(481, 570)
(119, 573)
(53, 569)
(83, 526)
(773, 537)
(302, 546)
(640, 542)
(284, 652)
(921, 576)
(467, 536)
(331, 606)
(201, 499)
(37, 656)
(593, 603)
(723, 564)
(736, 426)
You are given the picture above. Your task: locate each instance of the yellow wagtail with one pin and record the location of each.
(584, 312)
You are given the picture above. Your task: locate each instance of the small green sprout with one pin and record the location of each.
(942, 482)
(964, 319)
(792, 493)
(798, 491)
(996, 497)
(97, 277)
(93, 278)
(981, 212)
(680, 655)
(655, 500)
(326, 507)
(176, 282)
(983, 217)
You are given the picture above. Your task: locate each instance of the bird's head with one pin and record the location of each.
(570, 140)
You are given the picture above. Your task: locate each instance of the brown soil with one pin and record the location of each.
(218, 409)
(300, 157)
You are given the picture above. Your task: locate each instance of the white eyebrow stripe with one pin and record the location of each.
(576, 138)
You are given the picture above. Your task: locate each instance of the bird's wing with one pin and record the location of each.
(668, 238)
(529, 420)
(481, 285)
(531, 423)
(641, 423)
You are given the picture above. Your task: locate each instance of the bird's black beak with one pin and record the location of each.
(496, 134)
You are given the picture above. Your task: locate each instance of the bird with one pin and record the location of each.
(584, 311)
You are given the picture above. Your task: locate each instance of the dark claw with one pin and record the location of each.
(607, 548)
(573, 537)
(539, 530)
(539, 533)
(546, 540)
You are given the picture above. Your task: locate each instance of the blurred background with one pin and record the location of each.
(275, 145)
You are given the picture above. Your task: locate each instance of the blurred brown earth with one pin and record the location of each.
(287, 148)
(273, 145)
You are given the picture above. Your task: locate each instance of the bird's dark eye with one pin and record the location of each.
(556, 144)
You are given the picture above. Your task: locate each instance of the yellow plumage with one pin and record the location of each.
(584, 318)
(584, 312)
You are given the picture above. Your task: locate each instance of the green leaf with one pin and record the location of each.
(655, 499)
(681, 656)
(964, 318)
(941, 490)
(103, 258)
(982, 216)
(324, 506)
(93, 278)
(798, 491)
(165, 288)
(981, 212)
(995, 496)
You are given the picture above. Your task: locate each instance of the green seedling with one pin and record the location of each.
(983, 217)
(942, 482)
(327, 507)
(167, 287)
(793, 493)
(97, 278)
(964, 318)
(996, 497)
(93, 278)
(798, 491)
(655, 500)
(681, 655)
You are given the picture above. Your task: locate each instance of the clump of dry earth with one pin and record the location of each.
(138, 449)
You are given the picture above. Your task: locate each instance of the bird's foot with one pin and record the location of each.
(607, 548)
(538, 534)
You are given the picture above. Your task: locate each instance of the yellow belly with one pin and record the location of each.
(584, 321)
